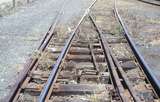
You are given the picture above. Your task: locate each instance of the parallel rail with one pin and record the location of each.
(154, 2)
(89, 69)
(55, 67)
(154, 81)
(32, 61)
(111, 57)
(112, 61)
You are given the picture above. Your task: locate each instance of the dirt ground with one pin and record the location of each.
(143, 22)
(22, 30)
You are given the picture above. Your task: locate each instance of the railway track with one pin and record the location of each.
(88, 65)
(152, 2)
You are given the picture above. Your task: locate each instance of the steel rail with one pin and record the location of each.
(55, 67)
(119, 68)
(132, 92)
(94, 58)
(51, 30)
(126, 80)
(148, 2)
(49, 34)
(32, 62)
(153, 80)
(113, 71)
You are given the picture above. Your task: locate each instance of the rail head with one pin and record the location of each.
(31, 62)
(151, 77)
(55, 67)
(151, 2)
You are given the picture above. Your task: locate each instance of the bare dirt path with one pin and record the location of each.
(21, 32)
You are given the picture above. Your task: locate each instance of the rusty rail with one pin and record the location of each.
(117, 74)
(115, 69)
(32, 61)
(112, 61)
(150, 2)
(55, 67)
(153, 80)
(115, 77)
